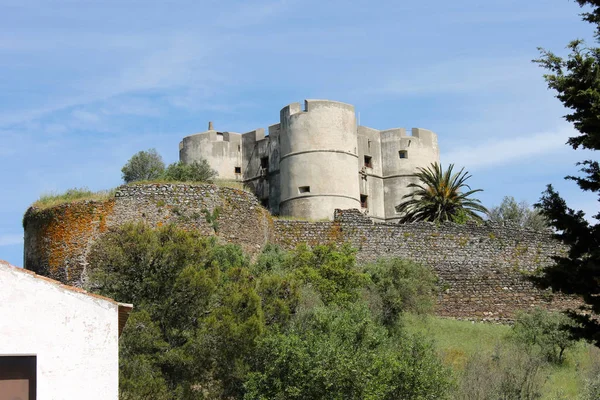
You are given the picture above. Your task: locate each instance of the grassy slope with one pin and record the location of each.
(457, 340)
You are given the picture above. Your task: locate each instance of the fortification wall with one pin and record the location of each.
(481, 268)
(58, 239)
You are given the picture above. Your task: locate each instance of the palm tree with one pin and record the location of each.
(438, 197)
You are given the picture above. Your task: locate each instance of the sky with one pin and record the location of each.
(85, 84)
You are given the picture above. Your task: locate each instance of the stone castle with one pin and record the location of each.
(317, 159)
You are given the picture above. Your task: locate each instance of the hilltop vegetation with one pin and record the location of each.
(209, 323)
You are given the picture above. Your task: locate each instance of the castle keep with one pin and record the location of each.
(317, 159)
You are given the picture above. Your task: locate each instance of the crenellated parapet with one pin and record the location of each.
(317, 159)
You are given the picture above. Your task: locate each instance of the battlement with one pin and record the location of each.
(316, 159)
(310, 105)
(255, 135)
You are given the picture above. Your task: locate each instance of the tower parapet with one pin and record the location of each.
(316, 159)
(318, 149)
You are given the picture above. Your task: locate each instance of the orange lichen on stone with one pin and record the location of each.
(335, 233)
(64, 234)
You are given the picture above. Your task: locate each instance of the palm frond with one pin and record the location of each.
(438, 197)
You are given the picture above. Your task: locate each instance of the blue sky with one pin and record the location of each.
(86, 84)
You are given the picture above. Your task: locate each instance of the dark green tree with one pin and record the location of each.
(198, 310)
(576, 80)
(437, 197)
(402, 286)
(342, 353)
(143, 166)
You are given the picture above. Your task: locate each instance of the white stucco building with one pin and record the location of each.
(57, 342)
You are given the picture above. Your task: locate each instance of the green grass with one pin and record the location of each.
(218, 182)
(230, 184)
(52, 199)
(457, 340)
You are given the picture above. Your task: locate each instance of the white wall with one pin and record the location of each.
(73, 334)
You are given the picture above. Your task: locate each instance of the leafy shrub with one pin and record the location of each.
(143, 166)
(547, 332)
(403, 286)
(342, 353)
(330, 270)
(208, 324)
(198, 171)
(199, 309)
(520, 214)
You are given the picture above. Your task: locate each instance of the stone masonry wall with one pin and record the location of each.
(481, 267)
(58, 239)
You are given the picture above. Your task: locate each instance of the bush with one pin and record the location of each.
(330, 270)
(198, 171)
(342, 353)
(199, 309)
(208, 324)
(143, 166)
(403, 286)
(547, 332)
(520, 214)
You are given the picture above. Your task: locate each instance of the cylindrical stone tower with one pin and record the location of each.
(402, 156)
(319, 161)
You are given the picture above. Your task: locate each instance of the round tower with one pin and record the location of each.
(318, 161)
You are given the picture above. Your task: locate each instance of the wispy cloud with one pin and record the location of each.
(509, 150)
(11, 239)
(460, 75)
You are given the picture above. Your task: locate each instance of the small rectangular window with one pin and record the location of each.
(18, 378)
(368, 161)
(219, 136)
(364, 201)
(238, 170)
(239, 148)
(403, 153)
(304, 189)
(264, 162)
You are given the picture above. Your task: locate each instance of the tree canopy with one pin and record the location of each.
(576, 81)
(210, 324)
(143, 166)
(148, 165)
(438, 197)
(520, 214)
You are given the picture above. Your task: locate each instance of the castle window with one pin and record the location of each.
(264, 162)
(304, 189)
(219, 136)
(238, 170)
(368, 161)
(364, 201)
(239, 148)
(403, 153)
